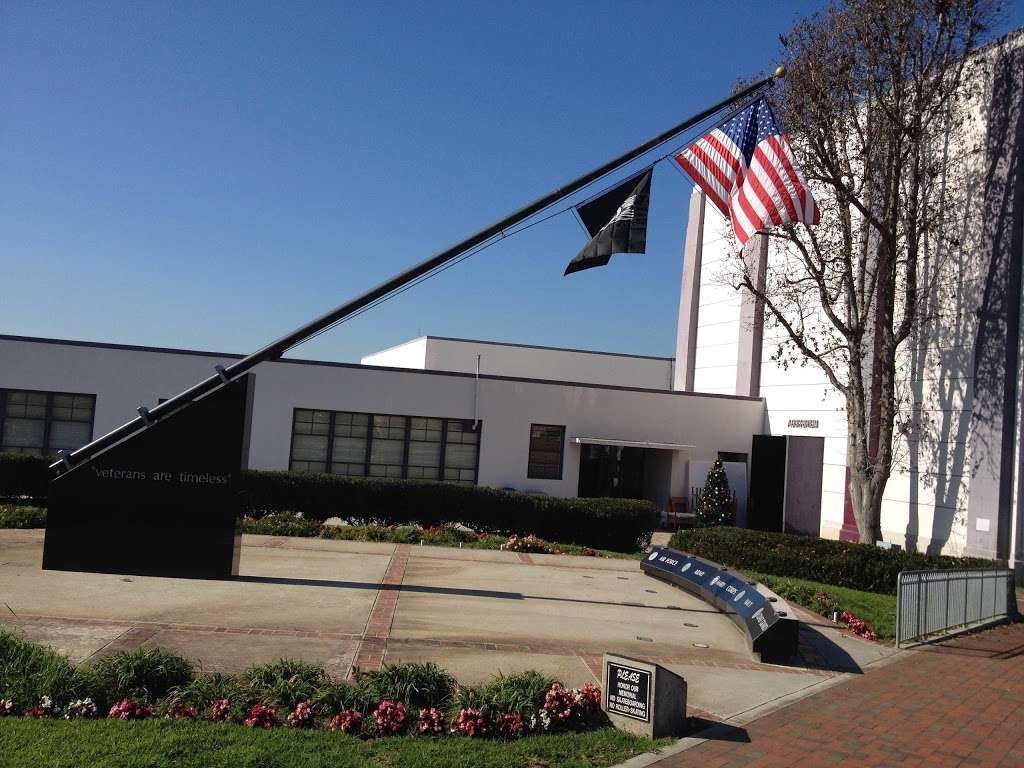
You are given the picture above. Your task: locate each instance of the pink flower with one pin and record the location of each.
(470, 722)
(221, 711)
(347, 721)
(302, 716)
(6, 707)
(126, 709)
(431, 722)
(261, 717)
(389, 717)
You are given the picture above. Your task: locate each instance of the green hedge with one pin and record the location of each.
(618, 524)
(24, 477)
(858, 566)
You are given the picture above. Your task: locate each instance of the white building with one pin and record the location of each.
(582, 423)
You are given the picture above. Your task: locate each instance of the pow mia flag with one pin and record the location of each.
(616, 221)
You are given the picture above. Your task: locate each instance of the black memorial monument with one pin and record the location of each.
(761, 615)
(164, 502)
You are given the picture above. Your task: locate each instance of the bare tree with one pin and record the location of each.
(874, 91)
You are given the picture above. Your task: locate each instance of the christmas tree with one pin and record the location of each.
(715, 504)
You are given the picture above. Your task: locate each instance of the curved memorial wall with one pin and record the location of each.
(764, 617)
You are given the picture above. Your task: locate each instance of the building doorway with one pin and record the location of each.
(611, 471)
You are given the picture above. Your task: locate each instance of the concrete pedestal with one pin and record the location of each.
(643, 698)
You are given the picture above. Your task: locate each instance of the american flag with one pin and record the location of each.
(747, 169)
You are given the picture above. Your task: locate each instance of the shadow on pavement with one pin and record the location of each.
(461, 591)
(716, 731)
(818, 651)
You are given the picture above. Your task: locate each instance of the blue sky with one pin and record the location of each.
(212, 175)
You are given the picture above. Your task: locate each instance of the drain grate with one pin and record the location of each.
(645, 639)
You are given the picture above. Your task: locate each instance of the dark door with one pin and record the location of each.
(767, 483)
(610, 471)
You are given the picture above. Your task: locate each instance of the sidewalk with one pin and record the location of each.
(960, 703)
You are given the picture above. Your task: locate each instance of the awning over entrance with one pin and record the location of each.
(581, 440)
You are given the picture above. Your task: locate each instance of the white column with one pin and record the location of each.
(689, 295)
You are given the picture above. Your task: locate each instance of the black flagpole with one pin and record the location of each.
(279, 347)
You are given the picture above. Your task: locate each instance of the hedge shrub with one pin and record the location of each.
(12, 516)
(24, 477)
(616, 524)
(858, 566)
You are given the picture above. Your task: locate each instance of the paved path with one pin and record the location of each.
(960, 703)
(357, 604)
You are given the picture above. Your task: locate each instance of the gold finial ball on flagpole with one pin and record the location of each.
(780, 71)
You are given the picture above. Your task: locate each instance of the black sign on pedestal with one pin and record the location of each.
(164, 502)
(629, 692)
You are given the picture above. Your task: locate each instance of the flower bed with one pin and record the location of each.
(398, 700)
(443, 535)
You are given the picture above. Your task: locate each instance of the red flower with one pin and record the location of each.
(221, 711)
(511, 726)
(389, 717)
(347, 721)
(431, 722)
(302, 716)
(178, 712)
(858, 626)
(261, 717)
(126, 709)
(470, 722)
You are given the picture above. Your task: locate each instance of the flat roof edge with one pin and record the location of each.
(332, 364)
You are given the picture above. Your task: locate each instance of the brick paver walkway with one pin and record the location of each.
(956, 704)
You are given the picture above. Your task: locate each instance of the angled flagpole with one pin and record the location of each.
(274, 350)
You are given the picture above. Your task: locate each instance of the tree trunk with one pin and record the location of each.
(866, 483)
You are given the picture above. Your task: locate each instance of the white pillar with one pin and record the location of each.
(689, 295)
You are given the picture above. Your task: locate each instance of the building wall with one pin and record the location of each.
(960, 375)
(124, 378)
(499, 359)
(411, 354)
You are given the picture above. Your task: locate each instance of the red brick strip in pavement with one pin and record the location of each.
(126, 641)
(370, 654)
(959, 703)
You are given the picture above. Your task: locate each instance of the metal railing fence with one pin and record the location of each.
(933, 602)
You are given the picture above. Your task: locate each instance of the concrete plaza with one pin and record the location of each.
(474, 612)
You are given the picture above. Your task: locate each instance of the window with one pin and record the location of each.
(383, 445)
(461, 450)
(546, 444)
(42, 423)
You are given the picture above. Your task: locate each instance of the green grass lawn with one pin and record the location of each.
(877, 610)
(159, 743)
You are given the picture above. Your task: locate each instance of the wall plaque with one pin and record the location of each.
(802, 423)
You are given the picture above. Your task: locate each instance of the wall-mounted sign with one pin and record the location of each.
(802, 423)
